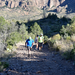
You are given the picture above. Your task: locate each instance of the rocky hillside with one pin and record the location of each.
(37, 3)
(19, 8)
(25, 3)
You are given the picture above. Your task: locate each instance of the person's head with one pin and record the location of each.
(30, 38)
(41, 34)
(37, 35)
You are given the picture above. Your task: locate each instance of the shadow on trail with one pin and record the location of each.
(40, 63)
(28, 65)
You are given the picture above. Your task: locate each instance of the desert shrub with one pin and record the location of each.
(66, 36)
(36, 29)
(69, 55)
(9, 47)
(72, 28)
(63, 45)
(72, 54)
(63, 30)
(2, 21)
(4, 25)
(52, 40)
(56, 37)
(50, 43)
(66, 55)
(3, 65)
(69, 29)
(73, 19)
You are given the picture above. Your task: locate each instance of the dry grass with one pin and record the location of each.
(73, 37)
(64, 45)
(19, 13)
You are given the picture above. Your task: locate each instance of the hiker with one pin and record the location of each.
(40, 41)
(29, 43)
(36, 42)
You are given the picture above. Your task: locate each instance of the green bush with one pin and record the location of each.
(14, 38)
(72, 54)
(56, 37)
(69, 55)
(63, 30)
(66, 55)
(69, 29)
(4, 25)
(67, 37)
(2, 21)
(45, 39)
(3, 65)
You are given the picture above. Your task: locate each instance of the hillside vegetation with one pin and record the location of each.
(59, 34)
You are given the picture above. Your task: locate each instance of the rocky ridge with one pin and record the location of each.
(25, 3)
(17, 9)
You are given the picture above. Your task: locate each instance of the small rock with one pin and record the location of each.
(38, 72)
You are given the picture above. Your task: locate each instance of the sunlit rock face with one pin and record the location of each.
(44, 3)
(24, 3)
(54, 3)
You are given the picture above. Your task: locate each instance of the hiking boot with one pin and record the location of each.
(29, 55)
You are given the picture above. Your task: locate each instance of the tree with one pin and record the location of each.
(23, 31)
(35, 29)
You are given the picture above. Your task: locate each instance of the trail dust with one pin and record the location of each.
(43, 62)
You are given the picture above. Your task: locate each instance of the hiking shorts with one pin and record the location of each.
(28, 47)
(40, 44)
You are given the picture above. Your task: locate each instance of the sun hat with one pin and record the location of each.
(41, 34)
(30, 38)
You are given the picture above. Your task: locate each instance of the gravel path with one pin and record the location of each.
(40, 63)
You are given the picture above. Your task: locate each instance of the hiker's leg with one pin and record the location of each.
(37, 46)
(41, 45)
(31, 48)
(28, 49)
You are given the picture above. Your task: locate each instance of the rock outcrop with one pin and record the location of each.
(25, 3)
(41, 4)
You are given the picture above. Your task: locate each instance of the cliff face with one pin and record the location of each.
(29, 4)
(25, 3)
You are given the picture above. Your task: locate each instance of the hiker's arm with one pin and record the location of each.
(32, 43)
(43, 41)
(25, 44)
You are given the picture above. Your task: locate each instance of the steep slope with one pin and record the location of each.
(21, 8)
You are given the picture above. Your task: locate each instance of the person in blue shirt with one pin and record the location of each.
(29, 43)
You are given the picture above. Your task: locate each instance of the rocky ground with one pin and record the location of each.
(43, 62)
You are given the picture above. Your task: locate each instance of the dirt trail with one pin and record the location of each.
(40, 63)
